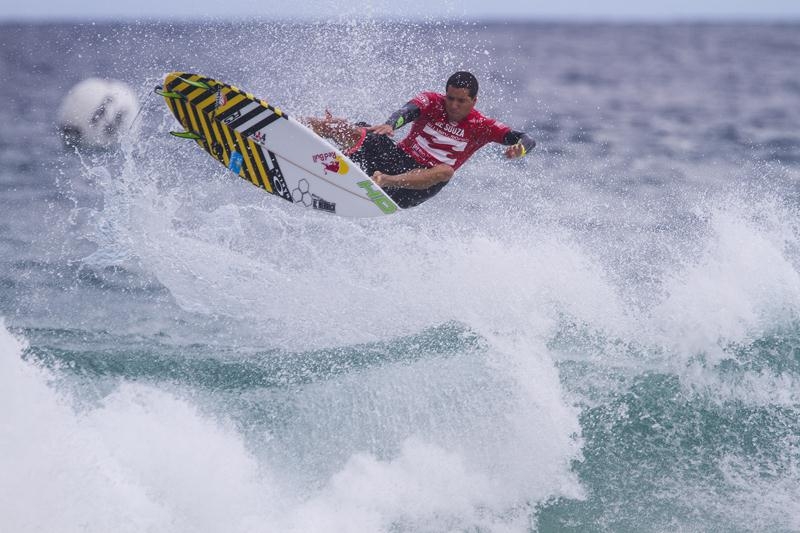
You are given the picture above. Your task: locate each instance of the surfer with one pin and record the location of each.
(446, 130)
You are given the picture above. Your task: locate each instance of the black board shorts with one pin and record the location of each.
(379, 153)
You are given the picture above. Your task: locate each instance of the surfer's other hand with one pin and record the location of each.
(514, 151)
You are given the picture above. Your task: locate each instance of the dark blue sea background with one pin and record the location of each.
(602, 336)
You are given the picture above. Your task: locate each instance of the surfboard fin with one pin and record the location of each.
(169, 94)
(198, 84)
(187, 135)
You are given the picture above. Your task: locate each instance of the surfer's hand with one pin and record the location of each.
(382, 129)
(379, 178)
(515, 150)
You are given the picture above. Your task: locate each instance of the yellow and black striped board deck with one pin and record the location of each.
(263, 145)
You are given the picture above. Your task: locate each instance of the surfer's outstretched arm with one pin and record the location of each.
(398, 119)
(347, 135)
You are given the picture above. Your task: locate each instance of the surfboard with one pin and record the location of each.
(265, 146)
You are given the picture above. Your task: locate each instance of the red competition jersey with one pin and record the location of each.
(433, 139)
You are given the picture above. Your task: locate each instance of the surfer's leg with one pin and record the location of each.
(338, 130)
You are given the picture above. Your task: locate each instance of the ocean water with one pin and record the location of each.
(603, 336)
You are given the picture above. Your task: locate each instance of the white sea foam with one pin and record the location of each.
(145, 459)
(742, 281)
(741, 284)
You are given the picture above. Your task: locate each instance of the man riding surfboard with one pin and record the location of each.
(446, 130)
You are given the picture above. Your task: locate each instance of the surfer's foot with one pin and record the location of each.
(344, 134)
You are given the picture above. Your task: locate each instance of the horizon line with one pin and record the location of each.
(559, 19)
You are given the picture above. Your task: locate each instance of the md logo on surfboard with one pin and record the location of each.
(378, 197)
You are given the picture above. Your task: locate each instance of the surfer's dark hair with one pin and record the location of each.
(464, 80)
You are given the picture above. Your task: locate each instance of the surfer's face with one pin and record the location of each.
(458, 103)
